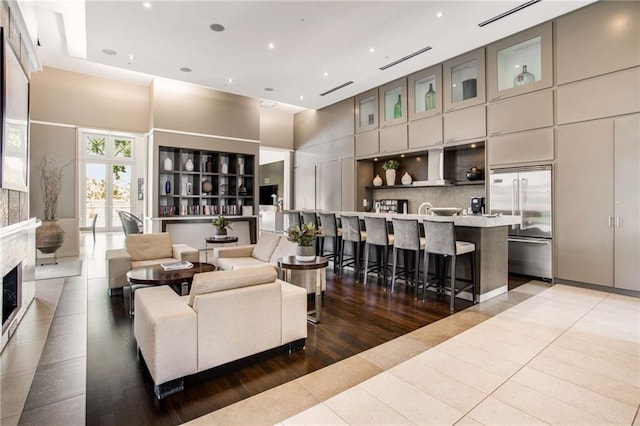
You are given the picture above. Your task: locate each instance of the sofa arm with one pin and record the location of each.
(118, 264)
(185, 252)
(236, 251)
(294, 312)
(165, 328)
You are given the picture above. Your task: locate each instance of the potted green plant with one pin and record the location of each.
(221, 224)
(391, 166)
(303, 236)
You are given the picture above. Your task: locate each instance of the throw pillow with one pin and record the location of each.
(265, 246)
(149, 246)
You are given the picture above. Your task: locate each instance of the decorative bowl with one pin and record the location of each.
(445, 211)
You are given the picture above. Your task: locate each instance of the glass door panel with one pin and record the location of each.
(95, 196)
(367, 111)
(520, 64)
(120, 192)
(464, 81)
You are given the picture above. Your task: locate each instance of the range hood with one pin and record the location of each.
(435, 170)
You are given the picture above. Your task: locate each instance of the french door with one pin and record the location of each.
(106, 172)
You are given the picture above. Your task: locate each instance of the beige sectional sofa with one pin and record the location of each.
(267, 250)
(228, 315)
(143, 250)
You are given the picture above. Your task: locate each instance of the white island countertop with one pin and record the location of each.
(473, 221)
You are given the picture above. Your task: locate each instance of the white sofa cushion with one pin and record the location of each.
(284, 248)
(265, 246)
(149, 246)
(233, 263)
(211, 282)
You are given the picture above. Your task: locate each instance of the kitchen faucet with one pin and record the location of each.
(427, 205)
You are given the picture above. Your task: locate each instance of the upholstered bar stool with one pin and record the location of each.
(352, 233)
(441, 239)
(407, 239)
(311, 217)
(331, 231)
(377, 237)
(293, 218)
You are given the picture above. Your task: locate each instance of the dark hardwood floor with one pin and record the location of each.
(355, 318)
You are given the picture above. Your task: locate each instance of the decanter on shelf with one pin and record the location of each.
(523, 78)
(430, 98)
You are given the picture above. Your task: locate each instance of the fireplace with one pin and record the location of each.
(11, 294)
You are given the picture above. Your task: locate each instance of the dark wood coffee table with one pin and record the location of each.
(146, 276)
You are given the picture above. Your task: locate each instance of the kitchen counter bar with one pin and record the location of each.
(489, 234)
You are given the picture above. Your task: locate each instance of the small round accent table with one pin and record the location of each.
(229, 239)
(290, 263)
(146, 276)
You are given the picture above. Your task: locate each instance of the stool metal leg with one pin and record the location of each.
(367, 249)
(393, 269)
(453, 282)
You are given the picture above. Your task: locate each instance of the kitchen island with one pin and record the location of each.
(488, 233)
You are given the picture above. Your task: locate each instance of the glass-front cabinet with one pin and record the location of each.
(464, 81)
(521, 63)
(425, 93)
(393, 103)
(367, 111)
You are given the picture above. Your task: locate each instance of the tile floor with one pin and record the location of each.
(536, 355)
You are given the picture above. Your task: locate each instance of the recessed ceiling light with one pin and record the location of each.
(326, 74)
(185, 69)
(473, 145)
(131, 57)
(301, 97)
(146, 4)
(272, 46)
(268, 89)
(375, 159)
(439, 15)
(372, 49)
(217, 27)
(268, 104)
(109, 52)
(402, 155)
(517, 66)
(229, 80)
(453, 85)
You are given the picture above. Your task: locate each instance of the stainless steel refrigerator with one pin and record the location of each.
(525, 192)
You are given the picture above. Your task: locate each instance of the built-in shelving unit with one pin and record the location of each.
(203, 183)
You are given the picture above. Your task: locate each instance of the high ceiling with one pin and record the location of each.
(317, 45)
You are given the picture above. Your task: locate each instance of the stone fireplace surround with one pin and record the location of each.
(17, 247)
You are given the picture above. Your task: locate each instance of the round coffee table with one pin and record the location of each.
(146, 276)
(289, 263)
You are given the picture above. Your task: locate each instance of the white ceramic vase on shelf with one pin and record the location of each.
(188, 165)
(377, 181)
(406, 179)
(391, 177)
(168, 164)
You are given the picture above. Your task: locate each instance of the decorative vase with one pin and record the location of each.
(391, 177)
(397, 108)
(430, 98)
(224, 168)
(523, 78)
(188, 188)
(49, 236)
(406, 179)
(209, 165)
(469, 89)
(305, 253)
(377, 181)
(168, 164)
(474, 173)
(188, 165)
(167, 187)
(220, 233)
(207, 186)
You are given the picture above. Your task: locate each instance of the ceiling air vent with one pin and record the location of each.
(336, 88)
(508, 12)
(404, 58)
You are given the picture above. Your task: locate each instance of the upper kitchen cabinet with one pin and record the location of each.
(393, 103)
(425, 93)
(521, 63)
(598, 39)
(464, 79)
(470, 123)
(367, 111)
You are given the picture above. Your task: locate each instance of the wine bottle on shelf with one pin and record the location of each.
(397, 108)
(430, 98)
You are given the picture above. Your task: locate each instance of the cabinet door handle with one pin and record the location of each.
(451, 140)
(495, 133)
(496, 98)
(449, 109)
(618, 221)
(610, 221)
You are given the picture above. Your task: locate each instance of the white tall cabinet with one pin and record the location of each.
(598, 202)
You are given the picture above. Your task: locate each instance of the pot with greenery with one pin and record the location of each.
(49, 235)
(391, 166)
(304, 236)
(221, 224)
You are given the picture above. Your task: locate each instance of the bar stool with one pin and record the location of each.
(352, 233)
(293, 218)
(408, 239)
(377, 237)
(441, 239)
(311, 217)
(330, 229)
